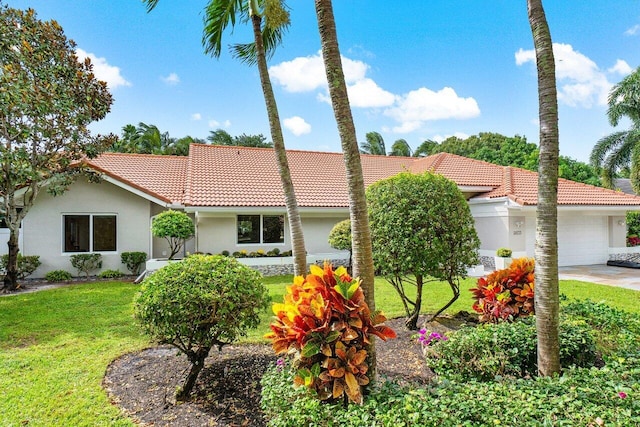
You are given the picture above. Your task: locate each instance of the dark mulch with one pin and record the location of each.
(228, 389)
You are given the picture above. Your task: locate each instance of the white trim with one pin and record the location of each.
(213, 210)
(625, 250)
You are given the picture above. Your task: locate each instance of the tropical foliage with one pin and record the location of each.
(222, 137)
(325, 321)
(47, 100)
(621, 150)
(148, 139)
(506, 294)
(197, 303)
(422, 230)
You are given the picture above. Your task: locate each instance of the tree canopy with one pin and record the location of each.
(222, 137)
(148, 139)
(421, 228)
(47, 100)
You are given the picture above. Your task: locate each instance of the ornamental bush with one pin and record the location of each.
(326, 323)
(27, 264)
(175, 227)
(85, 263)
(58, 276)
(506, 349)
(110, 274)
(633, 223)
(506, 294)
(200, 302)
(133, 260)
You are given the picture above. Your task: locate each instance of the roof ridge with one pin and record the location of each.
(508, 180)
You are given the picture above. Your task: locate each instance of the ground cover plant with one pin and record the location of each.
(55, 346)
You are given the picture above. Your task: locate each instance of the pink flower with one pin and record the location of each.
(622, 395)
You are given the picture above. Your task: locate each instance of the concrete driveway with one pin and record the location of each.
(615, 276)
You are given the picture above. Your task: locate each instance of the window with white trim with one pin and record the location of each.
(89, 233)
(260, 229)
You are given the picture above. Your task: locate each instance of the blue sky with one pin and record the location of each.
(417, 70)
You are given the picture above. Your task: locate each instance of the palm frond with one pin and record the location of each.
(218, 15)
(624, 99)
(606, 145)
(271, 38)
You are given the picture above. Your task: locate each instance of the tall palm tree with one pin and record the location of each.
(547, 303)
(219, 14)
(621, 150)
(149, 140)
(360, 233)
(373, 145)
(400, 148)
(425, 149)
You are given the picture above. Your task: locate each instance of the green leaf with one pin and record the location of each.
(311, 348)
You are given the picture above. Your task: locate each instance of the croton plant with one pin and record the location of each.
(506, 294)
(326, 324)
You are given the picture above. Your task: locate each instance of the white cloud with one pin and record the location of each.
(172, 79)
(103, 71)
(297, 125)
(366, 93)
(633, 30)
(580, 81)
(440, 138)
(302, 74)
(214, 124)
(621, 67)
(196, 116)
(227, 123)
(423, 104)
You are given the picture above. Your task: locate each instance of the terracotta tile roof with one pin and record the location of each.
(218, 176)
(162, 177)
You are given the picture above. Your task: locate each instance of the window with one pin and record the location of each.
(89, 233)
(260, 229)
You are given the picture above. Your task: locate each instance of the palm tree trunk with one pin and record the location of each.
(293, 215)
(546, 252)
(360, 233)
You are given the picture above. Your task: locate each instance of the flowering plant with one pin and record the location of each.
(506, 294)
(633, 241)
(326, 324)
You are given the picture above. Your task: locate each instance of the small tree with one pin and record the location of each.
(175, 227)
(340, 237)
(203, 301)
(47, 100)
(422, 228)
(133, 260)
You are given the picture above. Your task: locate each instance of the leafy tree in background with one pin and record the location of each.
(47, 100)
(621, 150)
(147, 139)
(222, 137)
(374, 144)
(547, 300)
(425, 149)
(400, 148)
(360, 233)
(340, 237)
(422, 231)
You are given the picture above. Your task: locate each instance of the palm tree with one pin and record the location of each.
(373, 145)
(360, 233)
(149, 140)
(218, 15)
(547, 303)
(400, 148)
(621, 150)
(425, 149)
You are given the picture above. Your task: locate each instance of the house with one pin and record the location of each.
(236, 200)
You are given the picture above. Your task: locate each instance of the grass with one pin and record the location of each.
(55, 345)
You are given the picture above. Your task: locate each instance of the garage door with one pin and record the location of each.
(582, 240)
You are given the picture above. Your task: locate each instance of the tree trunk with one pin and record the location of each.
(11, 276)
(547, 303)
(412, 321)
(293, 215)
(197, 363)
(360, 233)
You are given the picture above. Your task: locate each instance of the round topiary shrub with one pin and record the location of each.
(175, 227)
(202, 301)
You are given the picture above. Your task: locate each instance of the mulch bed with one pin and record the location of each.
(227, 392)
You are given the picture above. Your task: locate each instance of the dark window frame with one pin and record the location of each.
(252, 229)
(89, 233)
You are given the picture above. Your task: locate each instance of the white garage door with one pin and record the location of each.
(582, 240)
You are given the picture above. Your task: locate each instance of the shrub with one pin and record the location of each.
(224, 253)
(86, 263)
(633, 223)
(175, 227)
(422, 230)
(203, 301)
(326, 322)
(340, 236)
(633, 241)
(504, 252)
(506, 294)
(27, 264)
(489, 351)
(58, 276)
(110, 274)
(133, 260)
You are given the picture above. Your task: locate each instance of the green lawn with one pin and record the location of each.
(55, 345)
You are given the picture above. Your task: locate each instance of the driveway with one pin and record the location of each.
(615, 276)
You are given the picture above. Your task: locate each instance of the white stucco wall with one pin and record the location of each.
(316, 228)
(43, 225)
